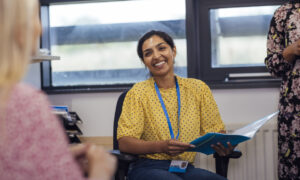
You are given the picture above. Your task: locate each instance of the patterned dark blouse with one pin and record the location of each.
(285, 30)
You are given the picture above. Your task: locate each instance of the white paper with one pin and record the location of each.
(250, 129)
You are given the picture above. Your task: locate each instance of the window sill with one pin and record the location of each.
(244, 84)
(86, 89)
(231, 84)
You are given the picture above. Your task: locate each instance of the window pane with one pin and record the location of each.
(239, 35)
(97, 41)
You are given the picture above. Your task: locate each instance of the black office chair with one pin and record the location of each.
(124, 159)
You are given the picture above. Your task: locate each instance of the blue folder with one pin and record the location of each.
(203, 143)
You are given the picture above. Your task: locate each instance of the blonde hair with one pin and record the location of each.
(16, 44)
(16, 35)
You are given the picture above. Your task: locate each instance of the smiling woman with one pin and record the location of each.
(152, 107)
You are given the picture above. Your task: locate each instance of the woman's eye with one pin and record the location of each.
(147, 54)
(162, 48)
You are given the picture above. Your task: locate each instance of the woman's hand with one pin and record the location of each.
(79, 153)
(94, 161)
(222, 150)
(101, 164)
(291, 51)
(174, 147)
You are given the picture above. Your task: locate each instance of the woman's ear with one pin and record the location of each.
(19, 37)
(174, 51)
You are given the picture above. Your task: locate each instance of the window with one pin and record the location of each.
(230, 44)
(220, 42)
(238, 35)
(97, 41)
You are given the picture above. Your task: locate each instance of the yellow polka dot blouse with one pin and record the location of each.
(143, 117)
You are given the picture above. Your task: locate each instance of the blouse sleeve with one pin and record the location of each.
(209, 114)
(131, 122)
(274, 61)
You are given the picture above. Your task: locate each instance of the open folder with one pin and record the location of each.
(245, 133)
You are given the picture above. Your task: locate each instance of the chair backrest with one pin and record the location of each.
(116, 119)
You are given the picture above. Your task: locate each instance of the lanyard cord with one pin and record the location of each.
(165, 110)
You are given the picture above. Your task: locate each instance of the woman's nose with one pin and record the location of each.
(156, 54)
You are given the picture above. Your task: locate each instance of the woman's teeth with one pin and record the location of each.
(160, 63)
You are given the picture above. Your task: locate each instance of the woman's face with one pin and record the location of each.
(158, 56)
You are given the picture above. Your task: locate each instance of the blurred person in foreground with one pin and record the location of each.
(32, 142)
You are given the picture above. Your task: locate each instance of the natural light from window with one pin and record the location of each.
(97, 41)
(239, 35)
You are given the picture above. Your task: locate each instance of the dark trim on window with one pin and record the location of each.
(87, 89)
(199, 45)
(197, 35)
(46, 79)
(47, 2)
(90, 34)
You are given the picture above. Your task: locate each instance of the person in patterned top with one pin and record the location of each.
(283, 60)
(161, 115)
(33, 145)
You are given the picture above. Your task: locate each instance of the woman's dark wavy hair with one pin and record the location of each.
(161, 34)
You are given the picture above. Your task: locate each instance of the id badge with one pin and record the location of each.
(178, 166)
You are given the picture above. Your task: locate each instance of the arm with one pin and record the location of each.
(94, 161)
(291, 52)
(138, 146)
(131, 128)
(278, 58)
(209, 113)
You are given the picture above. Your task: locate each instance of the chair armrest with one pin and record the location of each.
(124, 157)
(124, 160)
(235, 155)
(223, 161)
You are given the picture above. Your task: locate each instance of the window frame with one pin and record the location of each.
(46, 68)
(199, 48)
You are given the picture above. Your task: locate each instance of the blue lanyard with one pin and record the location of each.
(165, 110)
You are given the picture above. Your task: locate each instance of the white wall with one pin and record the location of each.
(236, 106)
(97, 110)
(242, 106)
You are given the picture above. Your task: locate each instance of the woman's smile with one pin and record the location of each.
(160, 64)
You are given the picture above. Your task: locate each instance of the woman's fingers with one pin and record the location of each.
(230, 147)
(177, 143)
(101, 164)
(218, 150)
(78, 149)
(175, 147)
(222, 150)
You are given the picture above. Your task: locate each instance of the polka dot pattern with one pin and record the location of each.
(143, 117)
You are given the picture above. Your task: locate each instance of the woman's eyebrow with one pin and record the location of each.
(155, 46)
(146, 50)
(160, 44)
